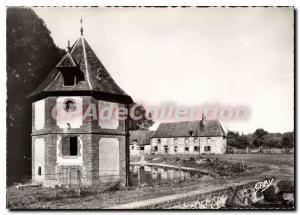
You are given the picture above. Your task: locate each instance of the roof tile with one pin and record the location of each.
(96, 77)
(141, 136)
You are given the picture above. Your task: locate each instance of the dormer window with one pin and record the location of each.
(71, 76)
(69, 80)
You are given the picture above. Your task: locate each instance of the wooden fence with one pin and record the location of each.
(260, 151)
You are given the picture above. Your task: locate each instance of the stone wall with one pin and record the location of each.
(46, 154)
(280, 195)
(229, 197)
(48, 128)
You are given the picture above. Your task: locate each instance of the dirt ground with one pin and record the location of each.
(259, 167)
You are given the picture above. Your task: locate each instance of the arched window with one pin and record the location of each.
(69, 105)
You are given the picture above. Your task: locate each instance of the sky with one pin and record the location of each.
(191, 57)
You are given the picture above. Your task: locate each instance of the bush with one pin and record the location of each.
(115, 186)
(177, 159)
(192, 159)
(286, 186)
(270, 195)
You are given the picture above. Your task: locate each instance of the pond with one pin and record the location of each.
(150, 175)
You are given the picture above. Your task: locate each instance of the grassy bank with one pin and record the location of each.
(279, 165)
(258, 167)
(93, 197)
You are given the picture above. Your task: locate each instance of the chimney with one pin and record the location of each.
(203, 120)
(69, 47)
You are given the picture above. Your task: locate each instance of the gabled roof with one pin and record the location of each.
(96, 82)
(211, 128)
(141, 136)
(66, 62)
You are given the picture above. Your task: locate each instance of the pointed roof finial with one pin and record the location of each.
(81, 28)
(69, 47)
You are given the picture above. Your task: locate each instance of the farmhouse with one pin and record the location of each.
(66, 147)
(140, 142)
(190, 137)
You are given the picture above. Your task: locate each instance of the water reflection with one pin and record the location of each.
(154, 175)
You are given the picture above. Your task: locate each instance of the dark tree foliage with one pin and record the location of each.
(31, 54)
(236, 140)
(288, 140)
(273, 140)
(143, 123)
(259, 137)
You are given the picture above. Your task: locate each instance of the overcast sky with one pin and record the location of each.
(193, 56)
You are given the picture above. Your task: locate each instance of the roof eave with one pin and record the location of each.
(123, 99)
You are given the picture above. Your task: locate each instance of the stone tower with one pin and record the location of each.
(73, 140)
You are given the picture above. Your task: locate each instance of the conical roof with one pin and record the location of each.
(92, 77)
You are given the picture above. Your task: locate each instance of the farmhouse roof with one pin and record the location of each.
(142, 137)
(93, 78)
(211, 128)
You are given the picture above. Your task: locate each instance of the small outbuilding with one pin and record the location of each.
(140, 142)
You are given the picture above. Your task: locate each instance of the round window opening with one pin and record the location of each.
(69, 105)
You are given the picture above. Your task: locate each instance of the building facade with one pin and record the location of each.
(140, 142)
(71, 142)
(192, 137)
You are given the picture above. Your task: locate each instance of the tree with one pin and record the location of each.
(141, 124)
(243, 141)
(232, 138)
(288, 139)
(31, 54)
(259, 137)
(236, 140)
(273, 140)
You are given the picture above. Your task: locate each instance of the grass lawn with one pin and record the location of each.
(277, 159)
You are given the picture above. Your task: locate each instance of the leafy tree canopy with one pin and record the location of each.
(236, 140)
(31, 54)
(143, 122)
(288, 140)
(260, 138)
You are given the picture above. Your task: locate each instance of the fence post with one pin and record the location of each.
(70, 172)
(243, 165)
(79, 181)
